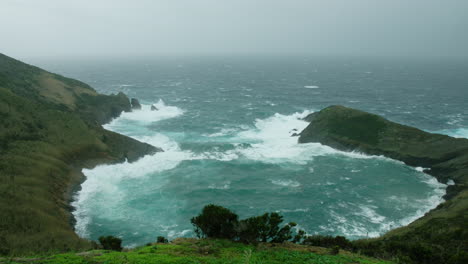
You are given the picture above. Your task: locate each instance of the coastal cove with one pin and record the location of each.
(102, 204)
(232, 141)
(224, 117)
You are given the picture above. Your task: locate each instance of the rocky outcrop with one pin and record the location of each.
(353, 130)
(135, 104)
(445, 158)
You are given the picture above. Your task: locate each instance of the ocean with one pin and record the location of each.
(226, 126)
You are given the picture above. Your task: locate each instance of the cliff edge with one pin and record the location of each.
(444, 228)
(50, 128)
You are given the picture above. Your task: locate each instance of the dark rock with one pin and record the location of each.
(154, 108)
(295, 135)
(350, 129)
(135, 104)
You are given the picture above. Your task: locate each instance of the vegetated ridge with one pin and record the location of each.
(441, 234)
(50, 128)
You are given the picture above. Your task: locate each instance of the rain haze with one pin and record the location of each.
(211, 27)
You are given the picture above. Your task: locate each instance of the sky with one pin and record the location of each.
(229, 27)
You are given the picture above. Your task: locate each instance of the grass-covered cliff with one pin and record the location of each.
(442, 234)
(49, 130)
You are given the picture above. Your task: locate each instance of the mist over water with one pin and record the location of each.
(226, 126)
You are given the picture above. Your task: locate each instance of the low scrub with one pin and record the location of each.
(219, 222)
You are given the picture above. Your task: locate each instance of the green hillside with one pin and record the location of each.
(441, 236)
(49, 130)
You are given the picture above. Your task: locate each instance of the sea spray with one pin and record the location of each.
(251, 168)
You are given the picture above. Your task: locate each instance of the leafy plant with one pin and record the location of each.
(111, 243)
(215, 222)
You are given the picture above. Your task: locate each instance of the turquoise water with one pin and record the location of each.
(226, 124)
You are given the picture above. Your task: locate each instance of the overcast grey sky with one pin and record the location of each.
(154, 27)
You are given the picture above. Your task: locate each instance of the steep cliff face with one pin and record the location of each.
(50, 128)
(446, 158)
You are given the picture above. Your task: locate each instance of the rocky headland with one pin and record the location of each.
(444, 228)
(50, 128)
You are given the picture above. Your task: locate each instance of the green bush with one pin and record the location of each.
(219, 222)
(161, 239)
(111, 243)
(215, 222)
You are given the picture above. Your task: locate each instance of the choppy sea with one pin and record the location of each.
(225, 124)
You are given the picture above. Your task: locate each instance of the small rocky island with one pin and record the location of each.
(443, 157)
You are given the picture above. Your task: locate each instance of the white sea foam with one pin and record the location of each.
(297, 210)
(272, 141)
(457, 133)
(311, 87)
(269, 140)
(223, 186)
(223, 132)
(286, 183)
(145, 115)
(174, 234)
(422, 206)
(455, 119)
(420, 169)
(123, 85)
(355, 228)
(370, 213)
(104, 179)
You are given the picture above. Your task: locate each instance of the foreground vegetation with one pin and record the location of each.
(188, 251)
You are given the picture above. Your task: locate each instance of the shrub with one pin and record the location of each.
(215, 222)
(264, 228)
(111, 243)
(335, 250)
(161, 239)
(219, 222)
(299, 237)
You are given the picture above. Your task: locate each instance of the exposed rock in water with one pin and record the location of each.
(154, 108)
(445, 157)
(135, 104)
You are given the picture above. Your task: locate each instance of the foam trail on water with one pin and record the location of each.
(457, 133)
(268, 140)
(377, 224)
(272, 140)
(145, 115)
(102, 182)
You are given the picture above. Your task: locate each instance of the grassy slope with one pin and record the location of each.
(444, 230)
(209, 251)
(50, 129)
